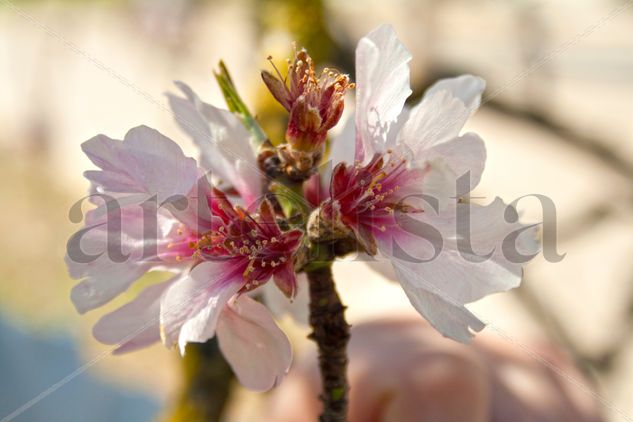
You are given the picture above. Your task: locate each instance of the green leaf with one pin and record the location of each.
(236, 105)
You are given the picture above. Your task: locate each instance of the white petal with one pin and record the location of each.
(382, 86)
(257, 350)
(467, 88)
(438, 118)
(190, 308)
(463, 154)
(136, 324)
(145, 162)
(280, 305)
(223, 140)
(456, 279)
(463, 272)
(489, 227)
(450, 318)
(342, 145)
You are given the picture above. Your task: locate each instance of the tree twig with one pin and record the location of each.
(330, 331)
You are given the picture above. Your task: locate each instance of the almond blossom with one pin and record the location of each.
(217, 250)
(399, 192)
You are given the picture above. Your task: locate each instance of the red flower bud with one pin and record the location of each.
(315, 103)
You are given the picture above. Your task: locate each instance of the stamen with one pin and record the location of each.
(281, 78)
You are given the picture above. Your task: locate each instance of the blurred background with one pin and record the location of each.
(557, 121)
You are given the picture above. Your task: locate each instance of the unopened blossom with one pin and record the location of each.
(218, 251)
(397, 191)
(315, 102)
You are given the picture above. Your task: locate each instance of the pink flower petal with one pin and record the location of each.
(223, 140)
(285, 279)
(280, 305)
(109, 255)
(145, 162)
(257, 350)
(136, 324)
(190, 308)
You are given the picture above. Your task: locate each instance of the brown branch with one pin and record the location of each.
(330, 331)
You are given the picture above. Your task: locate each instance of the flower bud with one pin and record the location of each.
(315, 103)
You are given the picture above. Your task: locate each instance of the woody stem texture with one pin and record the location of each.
(331, 333)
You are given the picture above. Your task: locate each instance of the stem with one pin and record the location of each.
(330, 331)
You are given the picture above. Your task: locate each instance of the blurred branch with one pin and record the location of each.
(206, 385)
(599, 149)
(591, 145)
(553, 327)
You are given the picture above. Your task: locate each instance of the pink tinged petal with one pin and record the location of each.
(448, 317)
(190, 308)
(224, 142)
(250, 340)
(146, 162)
(107, 268)
(285, 279)
(136, 324)
(382, 86)
(280, 305)
(278, 89)
(467, 88)
(104, 284)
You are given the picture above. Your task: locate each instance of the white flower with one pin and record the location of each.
(400, 197)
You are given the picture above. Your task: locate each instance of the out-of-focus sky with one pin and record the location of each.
(556, 120)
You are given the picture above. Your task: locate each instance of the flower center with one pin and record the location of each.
(367, 193)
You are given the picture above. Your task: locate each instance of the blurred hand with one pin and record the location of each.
(402, 370)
